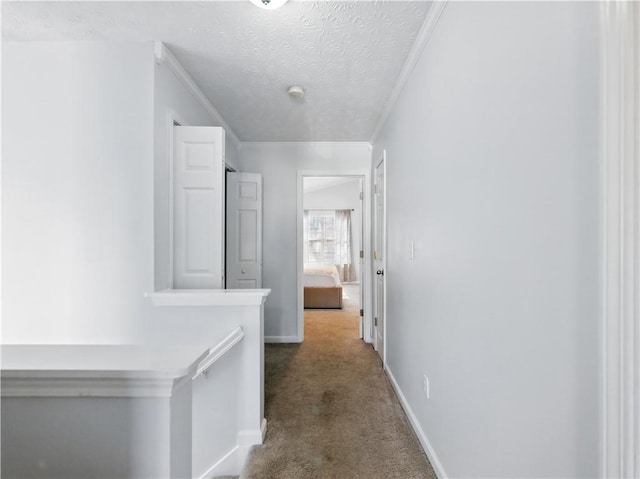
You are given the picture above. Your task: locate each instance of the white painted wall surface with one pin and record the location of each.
(343, 196)
(493, 171)
(77, 191)
(279, 163)
(78, 216)
(171, 97)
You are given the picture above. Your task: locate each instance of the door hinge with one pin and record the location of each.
(361, 195)
(375, 322)
(361, 254)
(375, 255)
(362, 312)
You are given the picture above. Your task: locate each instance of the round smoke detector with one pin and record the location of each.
(296, 92)
(269, 4)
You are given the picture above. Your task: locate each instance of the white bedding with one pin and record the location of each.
(321, 275)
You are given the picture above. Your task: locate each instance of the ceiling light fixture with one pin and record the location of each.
(269, 4)
(296, 92)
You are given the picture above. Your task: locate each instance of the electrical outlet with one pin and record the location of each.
(425, 386)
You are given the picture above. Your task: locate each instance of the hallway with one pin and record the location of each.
(331, 411)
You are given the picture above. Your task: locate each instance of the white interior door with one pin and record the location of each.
(244, 230)
(379, 256)
(198, 197)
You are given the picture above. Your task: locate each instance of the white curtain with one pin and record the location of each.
(343, 257)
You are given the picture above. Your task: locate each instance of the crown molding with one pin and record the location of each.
(164, 56)
(429, 25)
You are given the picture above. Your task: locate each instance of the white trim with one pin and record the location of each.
(430, 22)
(233, 338)
(164, 56)
(383, 161)
(366, 246)
(252, 437)
(422, 437)
(27, 386)
(229, 460)
(620, 217)
(281, 339)
(97, 370)
(209, 297)
(231, 464)
(172, 117)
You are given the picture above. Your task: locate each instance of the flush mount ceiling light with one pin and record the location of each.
(269, 4)
(296, 92)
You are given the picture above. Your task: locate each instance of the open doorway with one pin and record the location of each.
(332, 245)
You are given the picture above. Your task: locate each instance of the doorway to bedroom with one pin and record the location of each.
(332, 251)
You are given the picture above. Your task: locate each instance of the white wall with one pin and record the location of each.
(279, 164)
(77, 190)
(343, 196)
(493, 172)
(78, 215)
(173, 100)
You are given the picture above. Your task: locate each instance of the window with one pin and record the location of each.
(319, 236)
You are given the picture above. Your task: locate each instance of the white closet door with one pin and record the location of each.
(198, 219)
(244, 230)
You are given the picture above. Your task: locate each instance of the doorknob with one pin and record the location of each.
(380, 272)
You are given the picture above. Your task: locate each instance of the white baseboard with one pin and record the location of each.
(251, 437)
(282, 339)
(230, 464)
(422, 437)
(263, 429)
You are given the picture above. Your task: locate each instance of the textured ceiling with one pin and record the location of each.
(346, 55)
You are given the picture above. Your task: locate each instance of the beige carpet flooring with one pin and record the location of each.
(331, 411)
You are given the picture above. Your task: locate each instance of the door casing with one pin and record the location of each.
(367, 305)
(380, 243)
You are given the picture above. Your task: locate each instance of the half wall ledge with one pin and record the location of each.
(209, 297)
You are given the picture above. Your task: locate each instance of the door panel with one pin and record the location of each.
(244, 230)
(198, 186)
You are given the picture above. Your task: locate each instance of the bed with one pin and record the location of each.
(322, 287)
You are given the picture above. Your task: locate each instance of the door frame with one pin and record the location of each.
(172, 119)
(620, 240)
(365, 274)
(383, 160)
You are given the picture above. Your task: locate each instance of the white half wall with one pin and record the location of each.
(77, 191)
(492, 171)
(78, 218)
(279, 164)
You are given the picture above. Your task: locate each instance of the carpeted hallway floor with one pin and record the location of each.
(331, 411)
